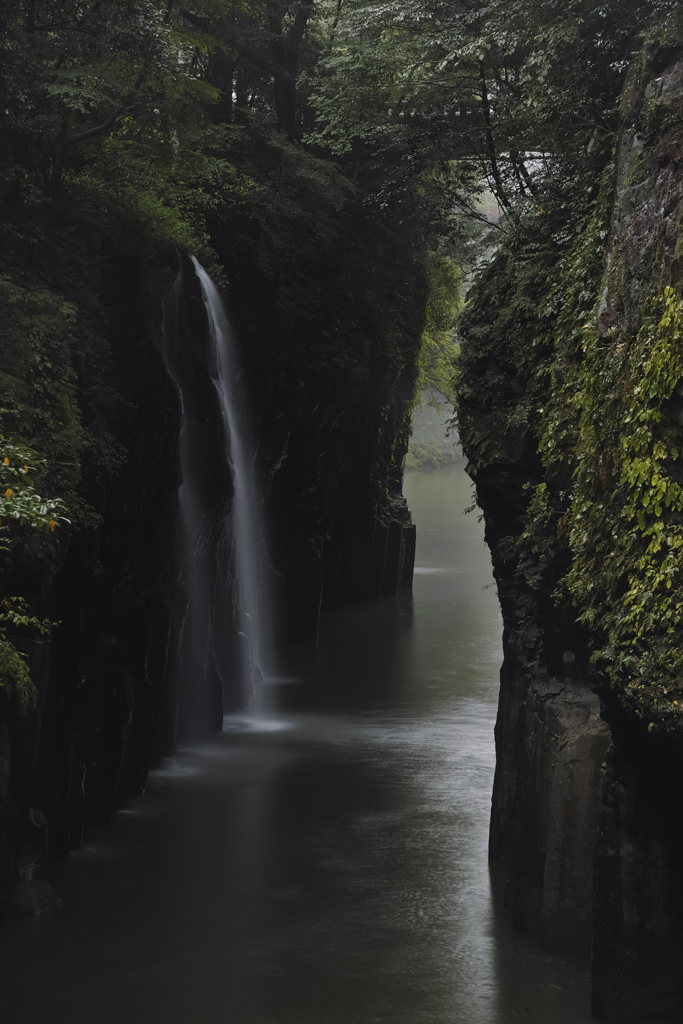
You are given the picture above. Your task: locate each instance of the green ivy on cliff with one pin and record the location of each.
(626, 531)
(522, 331)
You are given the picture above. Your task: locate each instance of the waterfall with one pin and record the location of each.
(247, 530)
(220, 628)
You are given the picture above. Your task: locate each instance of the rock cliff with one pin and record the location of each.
(570, 412)
(330, 388)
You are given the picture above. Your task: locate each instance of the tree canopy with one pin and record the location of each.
(506, 87)
(420, 101)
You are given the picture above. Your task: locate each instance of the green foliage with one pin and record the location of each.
(488, 83)
(22, 507)
(37, 389)
(506, 330)
(516, 375)
(439, 349)
(592, 415)
(19, 501)
(14, 673)
(47, 341)
(627, 523)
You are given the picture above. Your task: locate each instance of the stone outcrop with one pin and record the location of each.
(586, 806)
(551, 745)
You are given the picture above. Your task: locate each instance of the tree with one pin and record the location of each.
(512, 88)
(71, 71)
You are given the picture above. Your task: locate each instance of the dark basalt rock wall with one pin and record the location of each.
(104, 711)
(587, 799)
(332, 436)
(551, 745)
(330, 359)
(638, 904)
(550, 739)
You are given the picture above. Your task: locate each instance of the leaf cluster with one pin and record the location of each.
(14, 673)
(627, 517)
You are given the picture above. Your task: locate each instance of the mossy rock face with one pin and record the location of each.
(571, 382)
(625, 537)
(570, 409)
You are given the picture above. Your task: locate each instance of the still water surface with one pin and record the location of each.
(329, 867)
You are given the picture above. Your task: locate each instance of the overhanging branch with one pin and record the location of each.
(100, 129)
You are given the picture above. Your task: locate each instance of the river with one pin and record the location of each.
(329, 866)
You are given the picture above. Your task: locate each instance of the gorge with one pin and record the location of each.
(239, 243)
(333, 867)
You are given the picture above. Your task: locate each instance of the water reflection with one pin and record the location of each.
(331, 869)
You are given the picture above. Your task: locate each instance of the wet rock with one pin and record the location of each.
(550, 744)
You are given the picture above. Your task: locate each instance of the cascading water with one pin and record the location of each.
(222, 626)
(247, 531)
